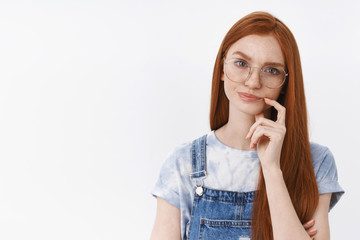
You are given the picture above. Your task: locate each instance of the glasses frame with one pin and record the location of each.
(250, 72)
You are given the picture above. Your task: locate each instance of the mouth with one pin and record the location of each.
(249, 97)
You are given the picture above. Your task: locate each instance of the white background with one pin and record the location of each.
(95, 94)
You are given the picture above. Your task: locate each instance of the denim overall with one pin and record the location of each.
(216, 214)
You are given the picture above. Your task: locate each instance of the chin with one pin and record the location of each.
(253, 112)
(251, 109)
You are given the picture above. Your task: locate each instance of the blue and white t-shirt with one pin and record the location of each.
(231, 169)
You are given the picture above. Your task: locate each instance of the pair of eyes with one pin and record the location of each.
(267, 69)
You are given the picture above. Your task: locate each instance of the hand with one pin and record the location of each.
(308, 226)
(268, 135)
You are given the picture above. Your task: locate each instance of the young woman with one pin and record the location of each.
(255, 175)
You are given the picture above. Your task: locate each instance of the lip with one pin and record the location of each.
(248, 97)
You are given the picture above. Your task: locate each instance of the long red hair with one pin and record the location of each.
(295, 162)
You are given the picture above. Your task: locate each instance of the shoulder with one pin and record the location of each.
(318, 151)
(322, 159)
(180, 157)
(326, 172)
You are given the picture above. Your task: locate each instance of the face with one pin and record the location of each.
(256, 51)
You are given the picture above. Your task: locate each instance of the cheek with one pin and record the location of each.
(274, 94)
(231, 90)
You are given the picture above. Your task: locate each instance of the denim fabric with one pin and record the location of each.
(229, 170)
(221, 215)
(217, 214)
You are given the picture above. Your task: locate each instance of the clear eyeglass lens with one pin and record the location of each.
(237, 72)
(271, 76)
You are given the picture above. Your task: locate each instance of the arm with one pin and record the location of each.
(167, 222)
(321, 217)
(286, 224)
(268, 136)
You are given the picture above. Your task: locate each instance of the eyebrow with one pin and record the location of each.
(249, 59)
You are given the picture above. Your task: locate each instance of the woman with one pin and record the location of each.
(255, 175)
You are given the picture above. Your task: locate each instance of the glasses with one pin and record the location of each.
(239, 71)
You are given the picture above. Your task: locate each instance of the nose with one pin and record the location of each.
(253, 80)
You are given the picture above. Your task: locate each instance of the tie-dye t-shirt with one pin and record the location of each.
(230, 169)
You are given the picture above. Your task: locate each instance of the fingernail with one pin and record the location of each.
(312, 231)
(309, 222)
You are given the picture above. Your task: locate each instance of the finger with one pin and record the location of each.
(312, 232)
(263, 122)
(309, 224)
(280, 109)
(258, 119)
(260, 132)
(273, 135)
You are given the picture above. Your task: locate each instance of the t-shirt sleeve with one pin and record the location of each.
(167, 186)
(327, 176)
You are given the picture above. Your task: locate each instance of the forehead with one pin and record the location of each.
(260, 48)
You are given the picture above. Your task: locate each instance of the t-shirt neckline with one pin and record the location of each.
(212, 137)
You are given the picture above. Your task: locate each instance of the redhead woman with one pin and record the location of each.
(255, 175)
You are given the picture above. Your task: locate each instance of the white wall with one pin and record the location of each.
(95, 94)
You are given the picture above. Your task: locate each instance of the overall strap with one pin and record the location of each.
(199, 157)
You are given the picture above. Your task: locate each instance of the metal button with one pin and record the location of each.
(199, 190)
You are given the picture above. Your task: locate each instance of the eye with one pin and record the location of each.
(272, 70)
(240, 63)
